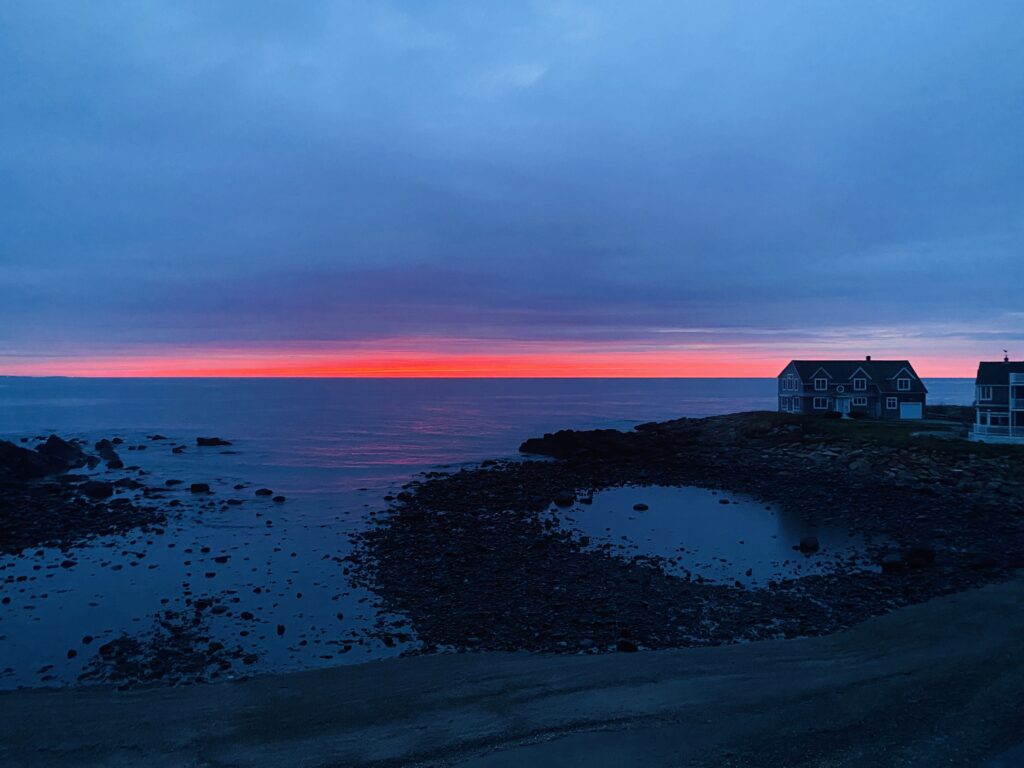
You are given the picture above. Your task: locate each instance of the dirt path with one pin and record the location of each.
(940, 683)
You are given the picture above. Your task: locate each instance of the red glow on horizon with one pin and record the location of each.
(365, 363)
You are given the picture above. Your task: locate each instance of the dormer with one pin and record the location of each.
(860, 379)
(821, 379)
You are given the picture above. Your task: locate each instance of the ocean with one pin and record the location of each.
(334, 448)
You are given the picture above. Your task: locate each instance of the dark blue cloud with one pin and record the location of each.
(197, 172)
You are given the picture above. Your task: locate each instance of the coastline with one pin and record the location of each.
(941, 682)
(477, 558)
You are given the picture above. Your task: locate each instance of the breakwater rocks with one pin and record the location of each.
(478, 560)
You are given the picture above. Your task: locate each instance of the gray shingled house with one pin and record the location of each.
(883, 389)
(999, 402)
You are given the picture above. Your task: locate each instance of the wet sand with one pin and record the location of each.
(939, 683)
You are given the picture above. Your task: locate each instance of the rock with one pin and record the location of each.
(212, 441)
(97, 489)
(981, 560)
(279, 499)
(723, 501)
(62, 454)
(626, 646)
(564, 499)
(891, 563)
(178, 449)
(199, 487)
(264, 492)
(809, 544)
(919, 556)
(640, 507)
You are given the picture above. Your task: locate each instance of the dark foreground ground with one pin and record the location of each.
(939, 683)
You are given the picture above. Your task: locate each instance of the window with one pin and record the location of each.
(860, 385)
(985, 393)
(820, 403)
(903, 385)
(821, 385)
(795, 403)
(784, 403)
(860, 401)
(891, 402)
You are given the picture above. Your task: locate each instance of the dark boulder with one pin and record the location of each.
(61, 454)
(54, 456)
(97, 489)
(892, 563)
(211, 441)
(919, 556)
(264, 492)
(105, 449)
(564, 499)
(809, 544)
(199, 487)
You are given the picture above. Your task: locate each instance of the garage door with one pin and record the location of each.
(911, 411)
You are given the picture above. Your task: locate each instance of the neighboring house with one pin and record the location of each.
(999, 403)
(883, 389)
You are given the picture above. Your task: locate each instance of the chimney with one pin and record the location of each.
(867, 358)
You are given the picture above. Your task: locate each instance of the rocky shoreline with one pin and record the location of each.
(61, 495)
(476, 560)
(480, 559)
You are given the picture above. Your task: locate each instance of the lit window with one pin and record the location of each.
(821, 385)
(860, 385)
(903, 385)
(891, 402)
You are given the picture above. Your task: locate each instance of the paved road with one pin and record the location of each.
(938, 684)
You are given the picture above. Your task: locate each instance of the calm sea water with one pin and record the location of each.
(347, 433)
(334, 448)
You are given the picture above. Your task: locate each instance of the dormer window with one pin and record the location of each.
(860, 385)
(903, 385)
(985, 392)
(821, 385)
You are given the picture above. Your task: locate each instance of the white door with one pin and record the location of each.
(911, 411)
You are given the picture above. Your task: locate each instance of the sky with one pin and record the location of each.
(490, 188)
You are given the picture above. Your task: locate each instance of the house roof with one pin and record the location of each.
(998, 372)
(879, 372)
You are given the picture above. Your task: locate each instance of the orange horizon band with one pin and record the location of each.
(282, 364)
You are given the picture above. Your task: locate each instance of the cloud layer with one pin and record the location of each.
(590, 176)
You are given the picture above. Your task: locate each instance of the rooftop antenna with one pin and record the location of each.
(1006, 356)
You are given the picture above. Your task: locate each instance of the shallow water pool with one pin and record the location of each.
(711, 535)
